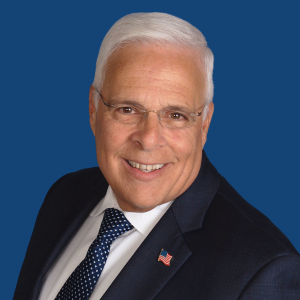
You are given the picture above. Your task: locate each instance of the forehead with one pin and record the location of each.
(145, 72)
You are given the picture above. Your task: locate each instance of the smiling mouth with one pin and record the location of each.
(145, 168)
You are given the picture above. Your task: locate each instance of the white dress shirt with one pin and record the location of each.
(120, 252)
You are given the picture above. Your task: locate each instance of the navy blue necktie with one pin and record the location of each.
(82, 281)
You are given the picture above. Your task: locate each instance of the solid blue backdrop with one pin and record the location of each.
(48, 55)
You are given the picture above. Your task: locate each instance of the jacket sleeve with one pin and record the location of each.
(277, 280)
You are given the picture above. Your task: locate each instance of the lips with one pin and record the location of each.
(144, 168)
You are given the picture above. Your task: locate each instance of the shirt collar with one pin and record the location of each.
(142, 222)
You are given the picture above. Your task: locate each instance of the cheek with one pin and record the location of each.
(110, 136)
(186, 143)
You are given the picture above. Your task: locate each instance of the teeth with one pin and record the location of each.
(145, 168)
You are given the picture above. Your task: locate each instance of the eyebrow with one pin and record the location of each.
(127, 102)
(140, 106)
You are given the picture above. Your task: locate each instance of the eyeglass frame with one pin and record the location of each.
(145, 112)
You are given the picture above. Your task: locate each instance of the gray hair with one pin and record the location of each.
(158, 28)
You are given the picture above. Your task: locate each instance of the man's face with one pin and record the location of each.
(155, 77)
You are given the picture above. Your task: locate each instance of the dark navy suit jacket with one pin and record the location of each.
(222, 247)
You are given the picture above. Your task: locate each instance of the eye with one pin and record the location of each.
(126, 110)
(177, 116)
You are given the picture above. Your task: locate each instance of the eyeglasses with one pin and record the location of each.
(172, 117)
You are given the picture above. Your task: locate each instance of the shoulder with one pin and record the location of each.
(253, 248)
(80, 182)
(67, 204)
(248, 224)
(84, 178)
(241, 250)
(76, 189)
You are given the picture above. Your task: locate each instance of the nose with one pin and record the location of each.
(149, 132)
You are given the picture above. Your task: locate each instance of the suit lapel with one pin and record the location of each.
(144, 273)
(144, 276)
(190, 208)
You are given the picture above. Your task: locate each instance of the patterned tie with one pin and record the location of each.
(82, 281)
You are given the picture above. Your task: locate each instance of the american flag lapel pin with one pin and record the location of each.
(165, 257)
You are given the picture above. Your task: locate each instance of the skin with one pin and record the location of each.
(155, 77)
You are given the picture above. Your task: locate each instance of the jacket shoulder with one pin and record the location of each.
(67, 204)
(82, 179)
(260, 232)
(236, 251)
(75, 185)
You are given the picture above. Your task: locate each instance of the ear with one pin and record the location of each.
(92, 109)
(206, 123)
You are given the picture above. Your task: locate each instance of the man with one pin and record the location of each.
(185, 233)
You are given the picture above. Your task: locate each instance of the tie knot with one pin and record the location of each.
(114, 224)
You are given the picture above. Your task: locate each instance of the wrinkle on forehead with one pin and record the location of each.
(154, 83)
(164, 102)
(175, 70)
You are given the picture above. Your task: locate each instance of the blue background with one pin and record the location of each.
(47, 63)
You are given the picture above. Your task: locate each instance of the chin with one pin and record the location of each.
(140, 204)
